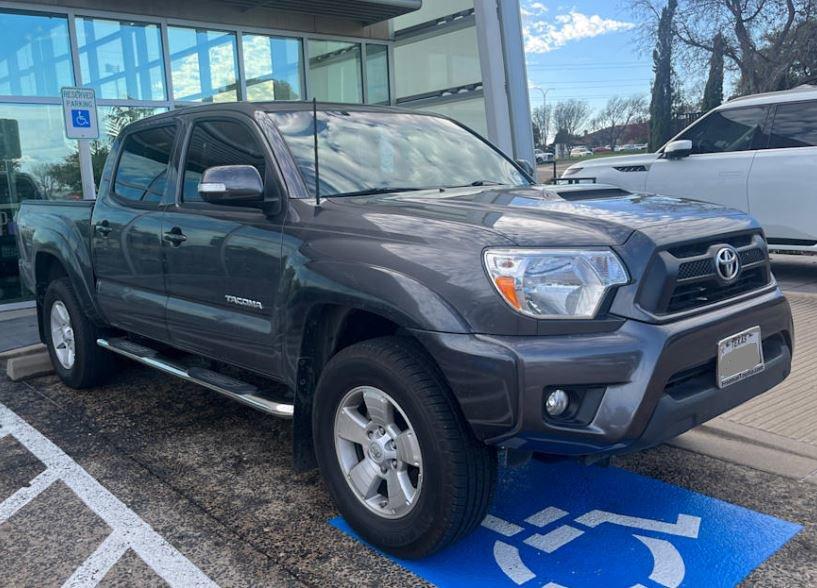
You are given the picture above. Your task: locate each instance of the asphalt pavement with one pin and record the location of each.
(213, 480)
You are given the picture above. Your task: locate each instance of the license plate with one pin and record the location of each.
(739, 357)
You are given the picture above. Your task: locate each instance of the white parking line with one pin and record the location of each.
(128, 530)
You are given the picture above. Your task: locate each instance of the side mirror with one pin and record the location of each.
(231, 184)
(678, 149)
(527, 167)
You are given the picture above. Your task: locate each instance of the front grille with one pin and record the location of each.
(693, 295)
(684, 277)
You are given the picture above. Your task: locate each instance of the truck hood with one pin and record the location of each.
(618, 160)
(536, 216)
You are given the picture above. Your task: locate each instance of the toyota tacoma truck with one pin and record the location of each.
(408, 295)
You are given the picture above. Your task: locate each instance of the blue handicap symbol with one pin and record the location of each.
(81, 118)
(564, 525)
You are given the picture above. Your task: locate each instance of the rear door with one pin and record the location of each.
(783, 180)
(127, 226)
(723, 146)
(223, 263)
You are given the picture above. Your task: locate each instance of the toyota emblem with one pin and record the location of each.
(727, 263)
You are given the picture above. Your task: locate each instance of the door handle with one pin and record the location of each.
(175, 236)
(103, 228)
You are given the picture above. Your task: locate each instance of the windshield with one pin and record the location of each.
(380, 151)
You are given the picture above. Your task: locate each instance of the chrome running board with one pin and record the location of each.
(225, 385)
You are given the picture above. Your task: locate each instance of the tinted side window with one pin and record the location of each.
(215, 143)
(728, 130)
(142, 172)
(795, 125)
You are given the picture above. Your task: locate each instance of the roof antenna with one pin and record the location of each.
(317, 165)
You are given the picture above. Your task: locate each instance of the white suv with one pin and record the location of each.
(757, 154)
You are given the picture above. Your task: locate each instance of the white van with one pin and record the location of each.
(756, 153)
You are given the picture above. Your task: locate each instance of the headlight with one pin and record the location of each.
(554, 283)
(572, 171)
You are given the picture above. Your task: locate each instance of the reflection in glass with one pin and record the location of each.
(335, 71)
(121, 59)
(272, 66)
(376, 150)
(112, 119)
(203, 65)
(41, 164)
(377, 73)
(35, 55)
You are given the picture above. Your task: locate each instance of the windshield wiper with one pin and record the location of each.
(480, 183)
(370, 191)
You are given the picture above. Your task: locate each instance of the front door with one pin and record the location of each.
(723, 146)
(127, 226)
(223, 262)
(783, 181)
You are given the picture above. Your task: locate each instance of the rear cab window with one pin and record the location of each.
(141, 176)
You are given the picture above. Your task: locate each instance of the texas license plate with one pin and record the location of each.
(739, 357)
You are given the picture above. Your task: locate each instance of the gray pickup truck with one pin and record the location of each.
(408, 295)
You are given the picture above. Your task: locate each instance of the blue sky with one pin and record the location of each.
(584, 49)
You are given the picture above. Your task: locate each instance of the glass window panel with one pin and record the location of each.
(335, 71)
(377, 73)
(121, 59)
(216, 143)
(36, 162)
(795, 125)
(112, 119)
(272, 66)
(727, 130)
(203, 65)
(431, 10)
(437, 63)
(35, 55)
(471, 113)
(141, 175)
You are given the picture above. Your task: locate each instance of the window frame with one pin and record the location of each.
(140, 128)
(773, 117)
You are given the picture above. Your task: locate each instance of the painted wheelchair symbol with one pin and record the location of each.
(668, 565)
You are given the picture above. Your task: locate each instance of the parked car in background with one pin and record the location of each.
(602, 149)
(580, 152)
(543, 156)
(757, 154)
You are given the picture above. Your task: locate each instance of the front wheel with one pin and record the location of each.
(400, 461)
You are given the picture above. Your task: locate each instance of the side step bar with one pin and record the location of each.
(230, 387)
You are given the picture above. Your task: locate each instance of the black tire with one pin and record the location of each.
(92, 364)
(459, 472)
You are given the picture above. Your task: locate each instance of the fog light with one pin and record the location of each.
(557, 402)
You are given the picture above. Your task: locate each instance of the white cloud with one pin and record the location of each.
(543, 36)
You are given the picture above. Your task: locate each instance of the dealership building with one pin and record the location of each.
(461, 58)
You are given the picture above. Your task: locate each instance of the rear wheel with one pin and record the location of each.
(71, 339)
(400, 461)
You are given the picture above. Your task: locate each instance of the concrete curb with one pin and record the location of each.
(26, 362)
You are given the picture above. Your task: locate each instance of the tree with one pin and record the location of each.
(616, 116)
(541, 116)
(713, 91)
(765, 42)
(569, 117)
(662, 87)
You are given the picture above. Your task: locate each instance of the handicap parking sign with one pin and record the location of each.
(564, 525)
(81, 118)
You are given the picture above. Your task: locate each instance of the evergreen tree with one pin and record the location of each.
(713, 92)
(662, 92)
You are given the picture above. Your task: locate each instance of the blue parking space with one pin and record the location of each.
(573, 526)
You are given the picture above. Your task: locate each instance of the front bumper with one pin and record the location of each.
(653, 381)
